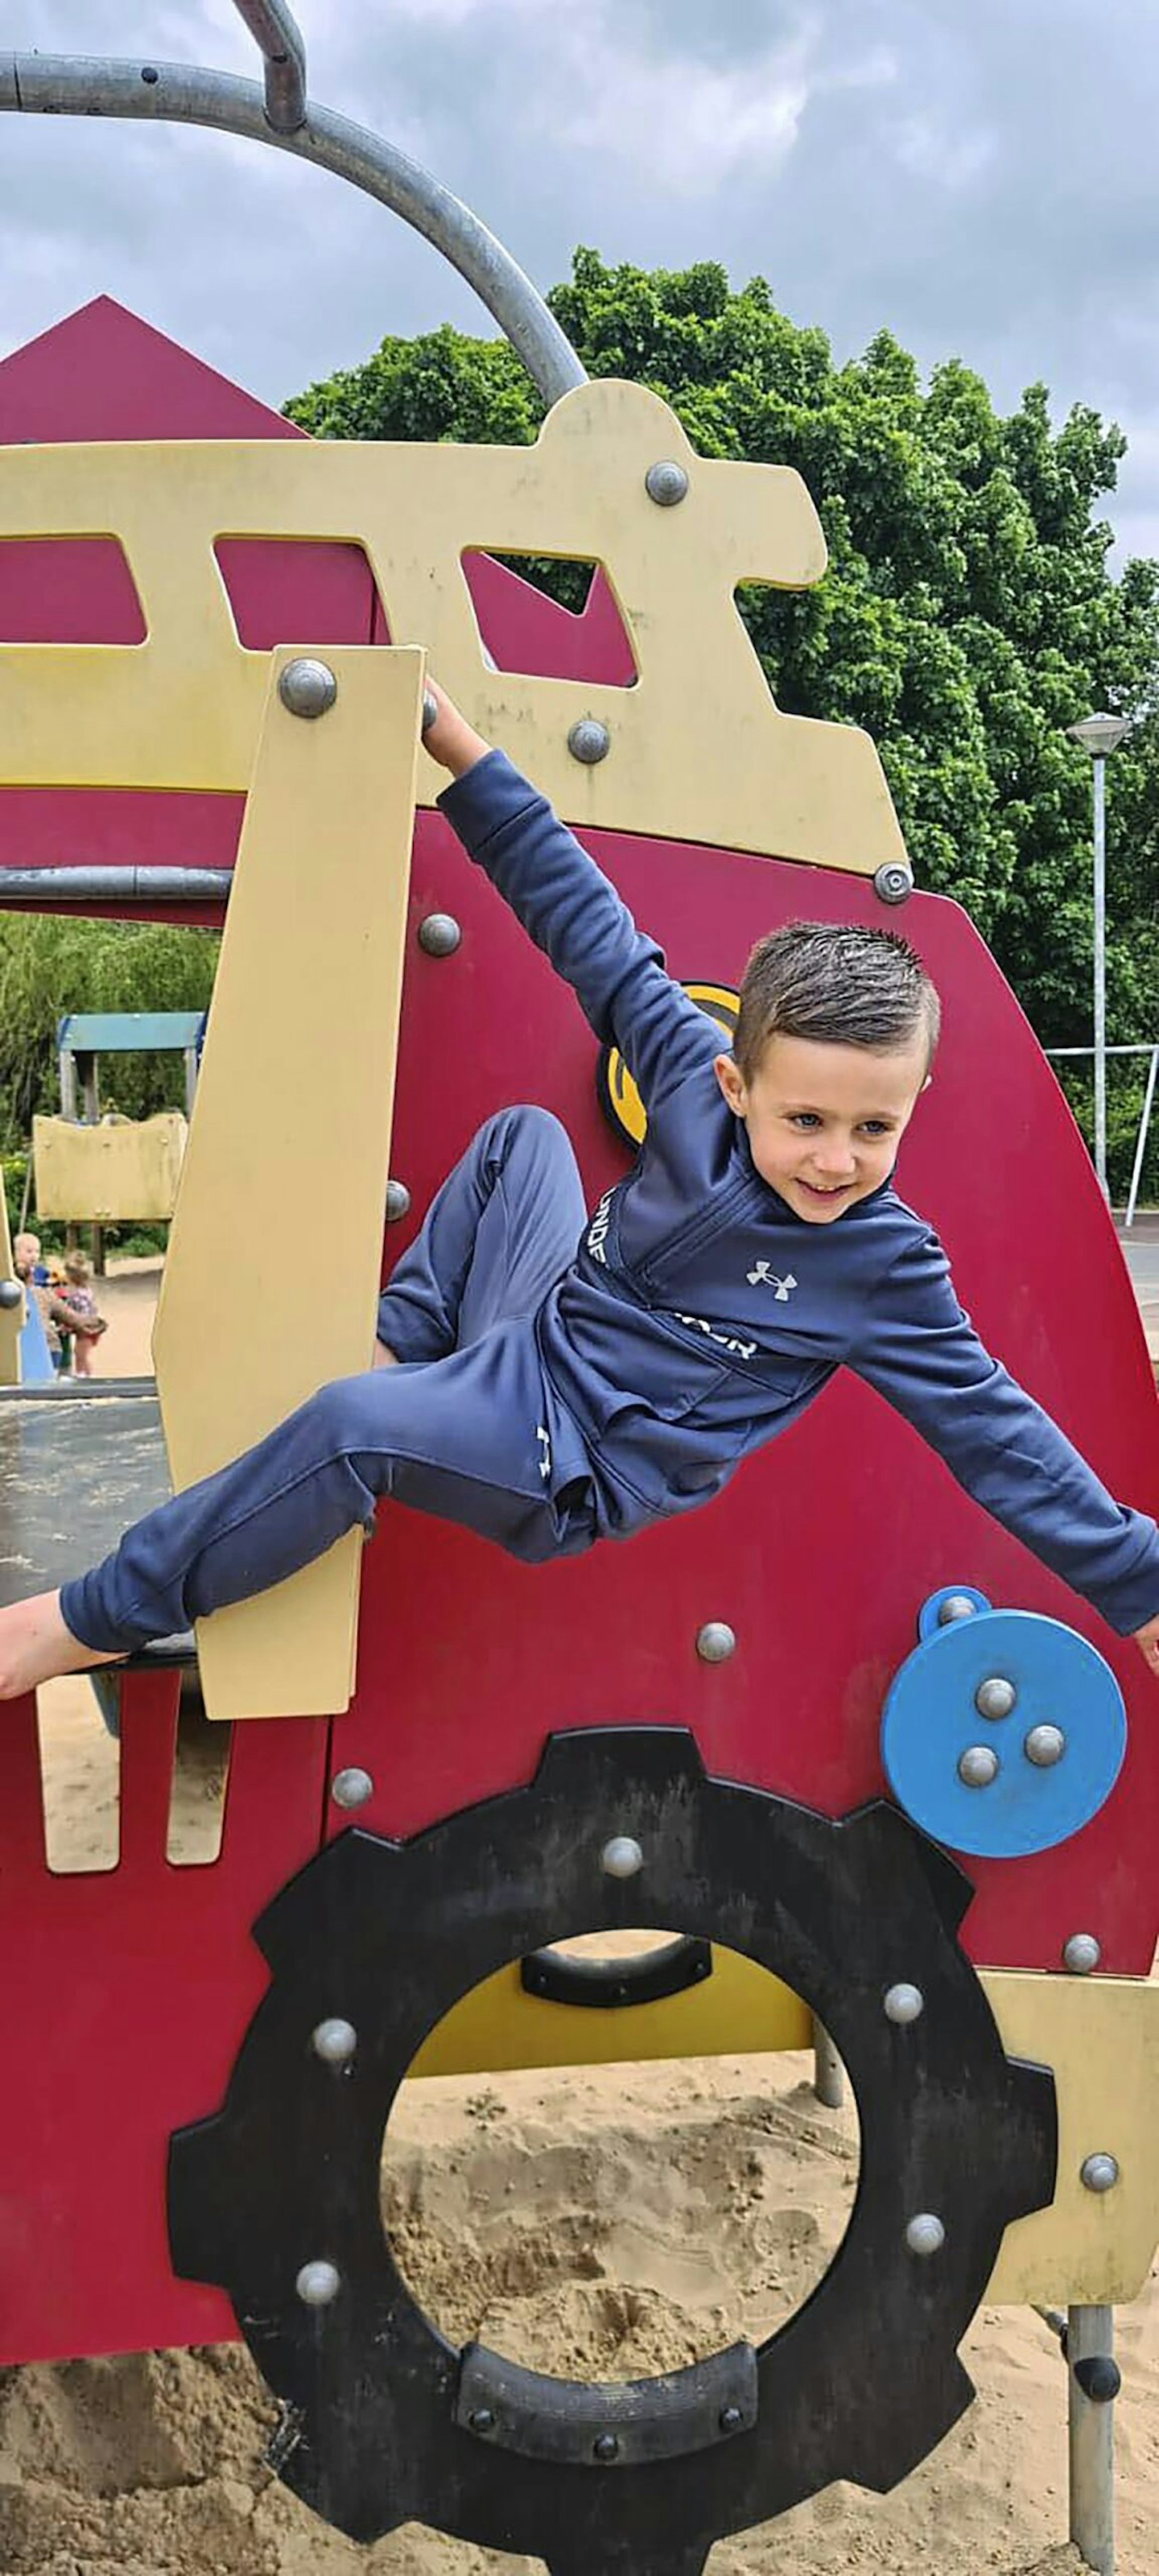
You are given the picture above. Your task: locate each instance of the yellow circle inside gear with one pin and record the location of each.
(619, 1098)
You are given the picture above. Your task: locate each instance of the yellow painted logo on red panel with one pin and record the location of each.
(617, 1093)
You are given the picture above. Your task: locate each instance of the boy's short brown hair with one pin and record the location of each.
(838, 985)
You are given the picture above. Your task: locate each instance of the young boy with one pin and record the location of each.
(548, 1379)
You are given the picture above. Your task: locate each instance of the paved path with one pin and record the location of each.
(1141, 1252)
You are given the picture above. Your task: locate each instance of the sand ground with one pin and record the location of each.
(602, 2223)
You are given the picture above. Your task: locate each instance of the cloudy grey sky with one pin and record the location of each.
(981, 176)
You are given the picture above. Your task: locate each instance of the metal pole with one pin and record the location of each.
(50, 886)
(1090, 2335)
(67, 1083)
(91, 1110)
(80, 85)
(1141, 1145)
(828, 2071)
(1098, 775)
(278, 34)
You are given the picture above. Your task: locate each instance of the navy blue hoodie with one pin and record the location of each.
(700, 1315)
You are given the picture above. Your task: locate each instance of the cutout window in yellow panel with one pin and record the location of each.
(197, 1794)
(67, 590)
(80, 1776)
(553, 618)
(285, 590)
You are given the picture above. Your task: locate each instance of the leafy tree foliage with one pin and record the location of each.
(967, 617)
(49, 966)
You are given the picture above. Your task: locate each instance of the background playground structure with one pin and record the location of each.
(516, 1752)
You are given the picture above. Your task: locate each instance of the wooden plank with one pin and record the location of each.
(292, 1118)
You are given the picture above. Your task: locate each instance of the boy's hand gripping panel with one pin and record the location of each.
(292, 1123)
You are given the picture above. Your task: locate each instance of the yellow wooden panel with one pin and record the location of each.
(11, 1318)
(1101, 2036)
(698, 749)
(738, 2009)
(123, 1167)
(292, 1116)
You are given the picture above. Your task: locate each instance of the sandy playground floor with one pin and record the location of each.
(602, 2223)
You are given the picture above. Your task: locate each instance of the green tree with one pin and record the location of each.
(49, 966)
(967, 617)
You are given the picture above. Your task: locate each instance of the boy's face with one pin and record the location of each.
(825, 1122)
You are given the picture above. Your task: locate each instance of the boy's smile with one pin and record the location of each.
(824, 1122)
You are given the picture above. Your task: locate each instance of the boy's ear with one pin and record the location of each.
(731, 1080)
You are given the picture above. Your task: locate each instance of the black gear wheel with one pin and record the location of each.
(384, 2421)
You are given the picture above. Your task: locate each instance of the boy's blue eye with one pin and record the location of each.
(804, 1118)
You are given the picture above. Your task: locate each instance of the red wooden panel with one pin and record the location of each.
(283, 593)
(125, 1998)
(67, 590)
(524, 630)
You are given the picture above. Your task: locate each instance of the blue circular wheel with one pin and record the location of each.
(1003, 1734)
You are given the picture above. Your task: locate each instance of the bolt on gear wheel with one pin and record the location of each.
(277, 2197)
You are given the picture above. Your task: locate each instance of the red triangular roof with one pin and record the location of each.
(103, 373)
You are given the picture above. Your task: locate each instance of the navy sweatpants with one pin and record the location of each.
(462, 1428)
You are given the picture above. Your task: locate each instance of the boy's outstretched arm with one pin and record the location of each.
(568, 908)
(922, 1354)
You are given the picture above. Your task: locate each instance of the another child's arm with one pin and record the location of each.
(920, 1351)
(569, 909)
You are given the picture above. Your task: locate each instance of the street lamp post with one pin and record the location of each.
(1099, 736)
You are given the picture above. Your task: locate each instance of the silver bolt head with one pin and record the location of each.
(715, 1642)
(904, 2003)
(1044, 1746)
(1100, 2172)
(894, 884)
(925, 2233)
(430, 710)
(622, 1857)
(957, 1605)
(334, 2041)
(1081, 1953)
(589, 741)
(352, 1787)
(11, 1293)
(978, 1766)
(317, 2284)
(397, 1201)
(439, 934)
(995, 1698)
(666, 483)
(306, 687)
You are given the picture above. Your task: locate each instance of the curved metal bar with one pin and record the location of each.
(79, 85)
(277, 33)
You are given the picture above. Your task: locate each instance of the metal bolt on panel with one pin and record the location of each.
(307, 687)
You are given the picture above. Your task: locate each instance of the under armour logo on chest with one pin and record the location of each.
(764, 1276)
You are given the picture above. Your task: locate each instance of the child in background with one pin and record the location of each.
(89, 1324)
(57, 1313)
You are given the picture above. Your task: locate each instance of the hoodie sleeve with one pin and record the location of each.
(920, 1352)
(569, 909)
